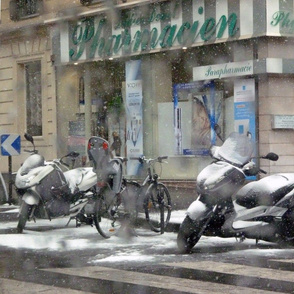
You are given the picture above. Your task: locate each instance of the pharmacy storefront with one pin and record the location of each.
(155, 79)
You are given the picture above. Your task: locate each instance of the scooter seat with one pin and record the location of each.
(267, 191)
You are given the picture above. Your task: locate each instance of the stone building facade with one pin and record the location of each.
(79, 64)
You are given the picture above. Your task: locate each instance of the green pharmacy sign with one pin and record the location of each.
(98, 37)
(285, 20)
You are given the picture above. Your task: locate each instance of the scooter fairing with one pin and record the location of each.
(267, 191)
(80, 178)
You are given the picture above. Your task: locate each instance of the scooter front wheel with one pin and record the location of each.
(24, 212)
(188, 235)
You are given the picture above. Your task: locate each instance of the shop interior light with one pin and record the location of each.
(110, 58)
(184, 48)
(75, 63)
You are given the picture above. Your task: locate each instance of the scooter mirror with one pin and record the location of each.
(218, 131)
(252, 171)
(29, 138)
(271, 156)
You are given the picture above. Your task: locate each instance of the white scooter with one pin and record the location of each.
(261, 210)
(47, 192)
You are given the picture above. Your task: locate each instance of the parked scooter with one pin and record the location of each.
(48, 192)
(225, 207)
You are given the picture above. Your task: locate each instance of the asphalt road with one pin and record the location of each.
(51, 258)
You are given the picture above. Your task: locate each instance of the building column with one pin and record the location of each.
(88, 102)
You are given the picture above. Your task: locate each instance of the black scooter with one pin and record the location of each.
(225, 207)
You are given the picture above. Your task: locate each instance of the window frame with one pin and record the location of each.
(37, 95)
(19, 9)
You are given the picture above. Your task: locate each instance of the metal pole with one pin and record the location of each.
(4, 187)
(10, 179)
(88, 103)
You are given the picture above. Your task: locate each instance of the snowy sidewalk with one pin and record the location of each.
(10, 212)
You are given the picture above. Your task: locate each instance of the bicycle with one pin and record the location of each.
(119, 199)
(153, 194)
(118, 211)
(110, 214)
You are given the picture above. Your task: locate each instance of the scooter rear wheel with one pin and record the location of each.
(188, 235)
(24, 213)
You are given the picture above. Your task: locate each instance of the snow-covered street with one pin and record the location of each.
(77, 260)
(55, 235)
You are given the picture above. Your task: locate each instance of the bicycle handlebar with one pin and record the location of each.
(73, 155)
(143, 159)
(162, 157)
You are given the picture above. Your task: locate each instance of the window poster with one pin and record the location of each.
(244, 109)
(202, 105)
(244, 106)
(134, 115)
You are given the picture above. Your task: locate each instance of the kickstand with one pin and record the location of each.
(78, 222)
(69, 221)
(240, 239)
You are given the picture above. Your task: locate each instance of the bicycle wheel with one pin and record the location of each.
(157, 206)
(108, 219)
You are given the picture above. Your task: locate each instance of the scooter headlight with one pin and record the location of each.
(24, 183)
(29, 179)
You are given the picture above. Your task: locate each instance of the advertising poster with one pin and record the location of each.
(134, 119)
(206, 110)
(244, 106)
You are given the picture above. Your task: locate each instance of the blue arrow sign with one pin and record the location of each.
(10, 144)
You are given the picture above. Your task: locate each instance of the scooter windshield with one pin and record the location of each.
(237, 149)
(32, 162)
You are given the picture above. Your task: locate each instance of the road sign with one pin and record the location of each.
(10, 144)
